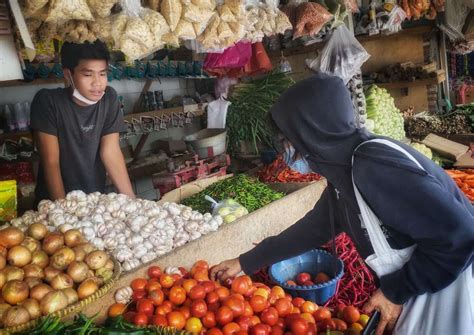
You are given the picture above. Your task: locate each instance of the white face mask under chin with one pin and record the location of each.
(76, 94)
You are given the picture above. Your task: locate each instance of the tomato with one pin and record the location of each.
(213, 307)
(258, 303)
(138, 284)
(261, 291)
(186, 311)
(166, 280)
(176, 320)
(201, 264)
(222, 292)
(339, 309)
(214, 331)
(201, 275)
(299, 326)
(308, 317)
(238, 296)
(197, 292)
(309, 307)
(278, 292)
(357, 327)
(298, 302)
(340, 324)
(281, 323)
(303, 277)
(321, 314)
(194, 325)
(209, 320)
(159, 320)
(209, 286)
(156, 296)
(154, 271)
(242, 332)
(176, 277)
(212, 297)
(321, 277)
(308, 283)
(152, 285)
(231, 328)
(116, 310)
(260, 329)
(290, 318)
(351, 314)
(224, 315)
(276, 330)
(236, 305)
(198, 308)
(290, 283)
(138, 294)
(312, 329)
(283, 307)
(269, 316)
(129, 316)
(168, 305)
(188, 284)
(145, 306)
(241, 285)
(177, 295)
(244, 322)
(140, 319)
(248, 311)
(162, 310)
(327, 324)
(254, 320)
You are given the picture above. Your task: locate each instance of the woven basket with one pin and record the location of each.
(72, 309)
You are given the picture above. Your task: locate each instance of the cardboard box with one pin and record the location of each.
(445, 147)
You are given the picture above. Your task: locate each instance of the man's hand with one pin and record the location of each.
(227, 269)
(389, 312)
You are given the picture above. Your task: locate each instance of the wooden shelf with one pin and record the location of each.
(12, 83)
(197, 109)
(15, 136)
(407, 84)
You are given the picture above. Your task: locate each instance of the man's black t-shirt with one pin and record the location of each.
(79, 131)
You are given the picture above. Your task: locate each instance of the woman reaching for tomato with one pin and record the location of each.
(405, 214)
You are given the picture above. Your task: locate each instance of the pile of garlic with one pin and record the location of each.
(135, 232)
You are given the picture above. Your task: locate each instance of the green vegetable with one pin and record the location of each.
(247, 191)
(247, 117)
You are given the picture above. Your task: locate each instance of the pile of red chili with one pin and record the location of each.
(279, 172)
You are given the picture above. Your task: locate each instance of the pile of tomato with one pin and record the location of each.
(191, 301)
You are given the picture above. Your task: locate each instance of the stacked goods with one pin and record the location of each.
(400, 72)
(279, 172)
(134, 231)
(44, 272)
(245, 190)
(417, 9)
(383, 118)
(191, 301)
(424, 123)
(465, 180)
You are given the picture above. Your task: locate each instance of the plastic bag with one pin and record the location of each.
(65, 10)
(342, 56)
(209, 38)
(102, 7)
(30, 7)
(8, 200)
(156, 22)
(310, 18)
(226, 14)
(234, 57)
(185, 30)
(102, 27)
(208, 4)
(171, 10)
(229, 209)
(154, 4)
(77, 32)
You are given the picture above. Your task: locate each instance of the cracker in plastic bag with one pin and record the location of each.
(226, 14)
(224, 31)
(185, 30)
(118, 28)
(205, 4)
(170, 39)
(102, 7)
(64, 10)
(171, 10)
(282, 23)
(200, 26)
(77, 32)
(310, 18)
(195, 14)
(237, 29)
(154, 4)
(48, 31)
(31, 7)
(156, 22)
(102, 27)
(209, 38)
(138, 31)
(132, 49)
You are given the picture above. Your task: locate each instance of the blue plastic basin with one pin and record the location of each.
(312, 262)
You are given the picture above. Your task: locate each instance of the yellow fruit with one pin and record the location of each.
(364, 318)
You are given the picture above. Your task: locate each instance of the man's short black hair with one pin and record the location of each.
(73, 53)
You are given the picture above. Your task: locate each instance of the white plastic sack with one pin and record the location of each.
(342, 56)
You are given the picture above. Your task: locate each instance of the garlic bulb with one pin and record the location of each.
(172, 270)
(131, 264)
(150, 256)
(123, 295)
(65, 227)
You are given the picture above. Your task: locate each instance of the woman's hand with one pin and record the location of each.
(389, 312)
(227, 269)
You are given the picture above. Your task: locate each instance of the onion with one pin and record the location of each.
(39, 291)
(11, 237)
(73, 238)
(71, 295)
(40, 258)
(33, 308)
(62, 281)
(31, 244)
(53, 302)
(87, 247)
(52, 243)
(33, 281)
(78, 271)
(80, 254)
(87, 288)
(12, 272)
(109, 265)
(62, 258)
(33, 270)
(3, 307)
(50, 273)
(37, 230)
(104, 273)
(19, 256)
(97, 259)
(15, 316)
(15, 291)
(3, 262)
(3, 279)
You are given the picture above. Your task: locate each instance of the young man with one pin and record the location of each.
(76, 129)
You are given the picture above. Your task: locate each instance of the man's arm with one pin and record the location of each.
(114, 163)
(48, 147)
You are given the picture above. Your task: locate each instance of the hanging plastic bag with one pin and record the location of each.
(102, 7)
(233, 57)
(260, 62)
(310, 18)
(65, 10)
(31, 7)
(342, 56)
(229, 209)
